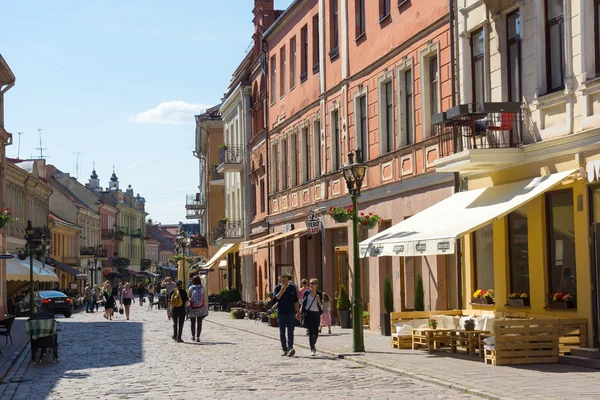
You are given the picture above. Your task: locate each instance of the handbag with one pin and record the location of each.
(304, 320)
(121, 310)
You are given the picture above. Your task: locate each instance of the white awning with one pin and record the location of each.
(434, 230)
(15, 271)
(41, 272)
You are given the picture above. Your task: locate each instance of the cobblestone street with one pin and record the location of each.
(138, 359)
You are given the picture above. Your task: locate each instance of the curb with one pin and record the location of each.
(429, 379)
(13, 359)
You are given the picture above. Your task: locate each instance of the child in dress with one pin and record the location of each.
(326, 316)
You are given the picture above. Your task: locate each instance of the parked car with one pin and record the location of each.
(46, 301)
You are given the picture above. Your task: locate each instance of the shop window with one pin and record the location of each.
(518, 251)
(484, 257)
(561, 242)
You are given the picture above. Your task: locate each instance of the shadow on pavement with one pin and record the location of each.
(83, 348)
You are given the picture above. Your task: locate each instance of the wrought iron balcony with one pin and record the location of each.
(216, 177)
(230, 159)
(470, 136)
(108, 234)
(87, 251)
(230, 230)
(101, 253)
(195, 201)
(136, 234)
(124, 230)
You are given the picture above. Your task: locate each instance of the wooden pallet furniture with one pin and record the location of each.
(523, 341)
(467, 340)
(431, 339)
(572, 333)
(405, 341)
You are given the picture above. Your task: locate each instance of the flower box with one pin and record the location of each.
(483, 300)
(273, 322)
(562, 305)
(518, 302)
(370, 225)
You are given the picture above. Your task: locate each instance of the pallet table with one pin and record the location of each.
(431, 339)
(468, 340)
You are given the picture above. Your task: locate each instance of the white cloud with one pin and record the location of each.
(133, 165)
(170, 113)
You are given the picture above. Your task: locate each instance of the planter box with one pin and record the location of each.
(385, 324)
(345, 319)
(483, 300)
(562, 305)
(518, 302)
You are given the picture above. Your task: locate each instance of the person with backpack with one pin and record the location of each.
(178, 299)
(198, 307)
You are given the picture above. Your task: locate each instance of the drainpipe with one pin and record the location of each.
(266, 115)
(453, 27)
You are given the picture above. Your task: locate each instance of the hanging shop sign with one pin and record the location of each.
(313, 221)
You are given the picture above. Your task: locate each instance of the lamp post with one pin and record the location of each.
(29, 238)
(354, 174)
(182, 241)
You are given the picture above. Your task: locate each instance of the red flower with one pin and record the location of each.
(362, 213)
(331, 208)
(370, 213)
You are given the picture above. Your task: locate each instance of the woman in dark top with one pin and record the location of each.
(109, 301)
(141, 292)
(178, 312)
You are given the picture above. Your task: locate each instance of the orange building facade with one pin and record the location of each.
(331, 76)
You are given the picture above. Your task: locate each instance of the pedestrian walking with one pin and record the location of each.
(126, 298)
(178, 299)
(141, 293)
(169, 286)
(310, 312)
(326, 316)
(286, 302)
(151, 294)
(109, 301)
(198, 308)
(87, 298)
(119, 291)
(304, 288)
(96, 297)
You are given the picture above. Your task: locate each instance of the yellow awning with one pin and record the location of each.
(228, 248)
(274, 237)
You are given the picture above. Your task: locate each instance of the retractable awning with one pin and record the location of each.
(228, 248)
(69, 269)
(434, 230)
(15, 271)
(41, 272)
(275, 237)
(247, 248)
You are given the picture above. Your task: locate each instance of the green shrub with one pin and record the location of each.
(419, 294)
(231, 296)
(388, 296)
(343, 302)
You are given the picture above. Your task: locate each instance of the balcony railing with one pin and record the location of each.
(198, 241)
(230, 158)
(195, 201)
(108, 234)
(194, 214)
(124, 230)
(101, 253)
(479, 126)
(87, 251)
(215, 175)
(230, 230)
(136, 234)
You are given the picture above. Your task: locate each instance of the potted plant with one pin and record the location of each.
(223, 221)
(469, 325)
(273, 319)
(343, 306)
(22, 254)
(483, 296)
(366, 318)
(433, 323)
(388, 307)
(369, 221)
(518, 299)
(237, 314)
(419, 294)
(562, 300)
(6, 217)
(340, 215)
(223, 146)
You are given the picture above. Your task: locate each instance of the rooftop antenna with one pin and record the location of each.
(76, 172)
(41, 149)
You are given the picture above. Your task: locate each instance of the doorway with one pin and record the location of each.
(595, 261)
(342, 269)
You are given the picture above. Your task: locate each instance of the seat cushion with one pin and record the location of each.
(404, 329)
(445, 321)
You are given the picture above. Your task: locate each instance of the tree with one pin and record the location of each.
(388, 296)
(343, 302)
(419, 294)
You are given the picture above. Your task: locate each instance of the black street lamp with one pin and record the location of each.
(354, 173)
(29, 238)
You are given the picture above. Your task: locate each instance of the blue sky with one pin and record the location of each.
(119, 82)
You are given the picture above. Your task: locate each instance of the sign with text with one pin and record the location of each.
(313, 221)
